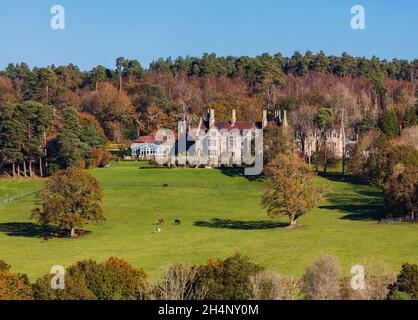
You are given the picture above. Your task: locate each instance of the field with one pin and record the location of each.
(221, 215)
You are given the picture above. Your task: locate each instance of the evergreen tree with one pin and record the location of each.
(389, 123)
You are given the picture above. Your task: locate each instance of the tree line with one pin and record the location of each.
(234, 278)
(128, 101)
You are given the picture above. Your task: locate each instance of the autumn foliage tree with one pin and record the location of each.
(401, 191)
(70, 198)
(13, 286)
(290, 189)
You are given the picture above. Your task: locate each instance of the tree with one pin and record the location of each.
(271, 285)
(70, 198)
(114, 279)
(276, 141)
(47, 78)
(324, 122)
(406, 283)
(12, 134)
(389, 123)
(36, 119)
(128, 68)
(180, 282)
(13, 286)
(401, 191)
(98, 74)
(75, 289)
(228, 279)
(71, 148)
(303, 125)
(322, 279)
(410, 117)
(289, 189)
(112, 108)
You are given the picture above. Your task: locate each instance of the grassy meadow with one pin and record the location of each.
(220, 214)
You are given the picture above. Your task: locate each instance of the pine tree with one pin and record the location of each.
(389, 123)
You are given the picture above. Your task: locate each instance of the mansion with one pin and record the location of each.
(213, 142)
(218, 143)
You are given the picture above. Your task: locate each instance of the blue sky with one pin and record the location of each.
(97, 32)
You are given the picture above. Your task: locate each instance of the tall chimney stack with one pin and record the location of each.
(234, 117)
(211, 118)
(264, 118)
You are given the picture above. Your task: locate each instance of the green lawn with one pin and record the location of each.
(220, 214)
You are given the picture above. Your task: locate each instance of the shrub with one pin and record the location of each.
(273, 286)
(95, 158)
(115, 279)
(399, 295)
(322, 279)
(13, 286)
(75, 289)
(375, 158)
(377, 280)
(401, 191)
(406, 283)
(228, 279)
(4, 266)
(180, 282)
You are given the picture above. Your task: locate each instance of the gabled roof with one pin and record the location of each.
(222, 125)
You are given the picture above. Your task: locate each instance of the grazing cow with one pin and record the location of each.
(177, 221)
(161, 222)
(157, 230)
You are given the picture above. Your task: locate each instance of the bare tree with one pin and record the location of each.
(180, 283)
(303, 126)
(322, 279)
(377, 281)
(274, 286)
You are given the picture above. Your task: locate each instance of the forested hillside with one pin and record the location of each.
(58, 116)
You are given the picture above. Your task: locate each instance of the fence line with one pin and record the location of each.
(10, 199)
(178, 185)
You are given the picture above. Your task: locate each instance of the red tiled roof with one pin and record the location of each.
(145, 139)
(243, 125)
(151, 139)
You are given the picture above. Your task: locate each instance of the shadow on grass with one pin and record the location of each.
(338, 177)
(240, 225)
(239, 172)
(26, 229)
(362, 202)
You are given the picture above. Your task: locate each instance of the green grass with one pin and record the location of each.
(220, 214)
